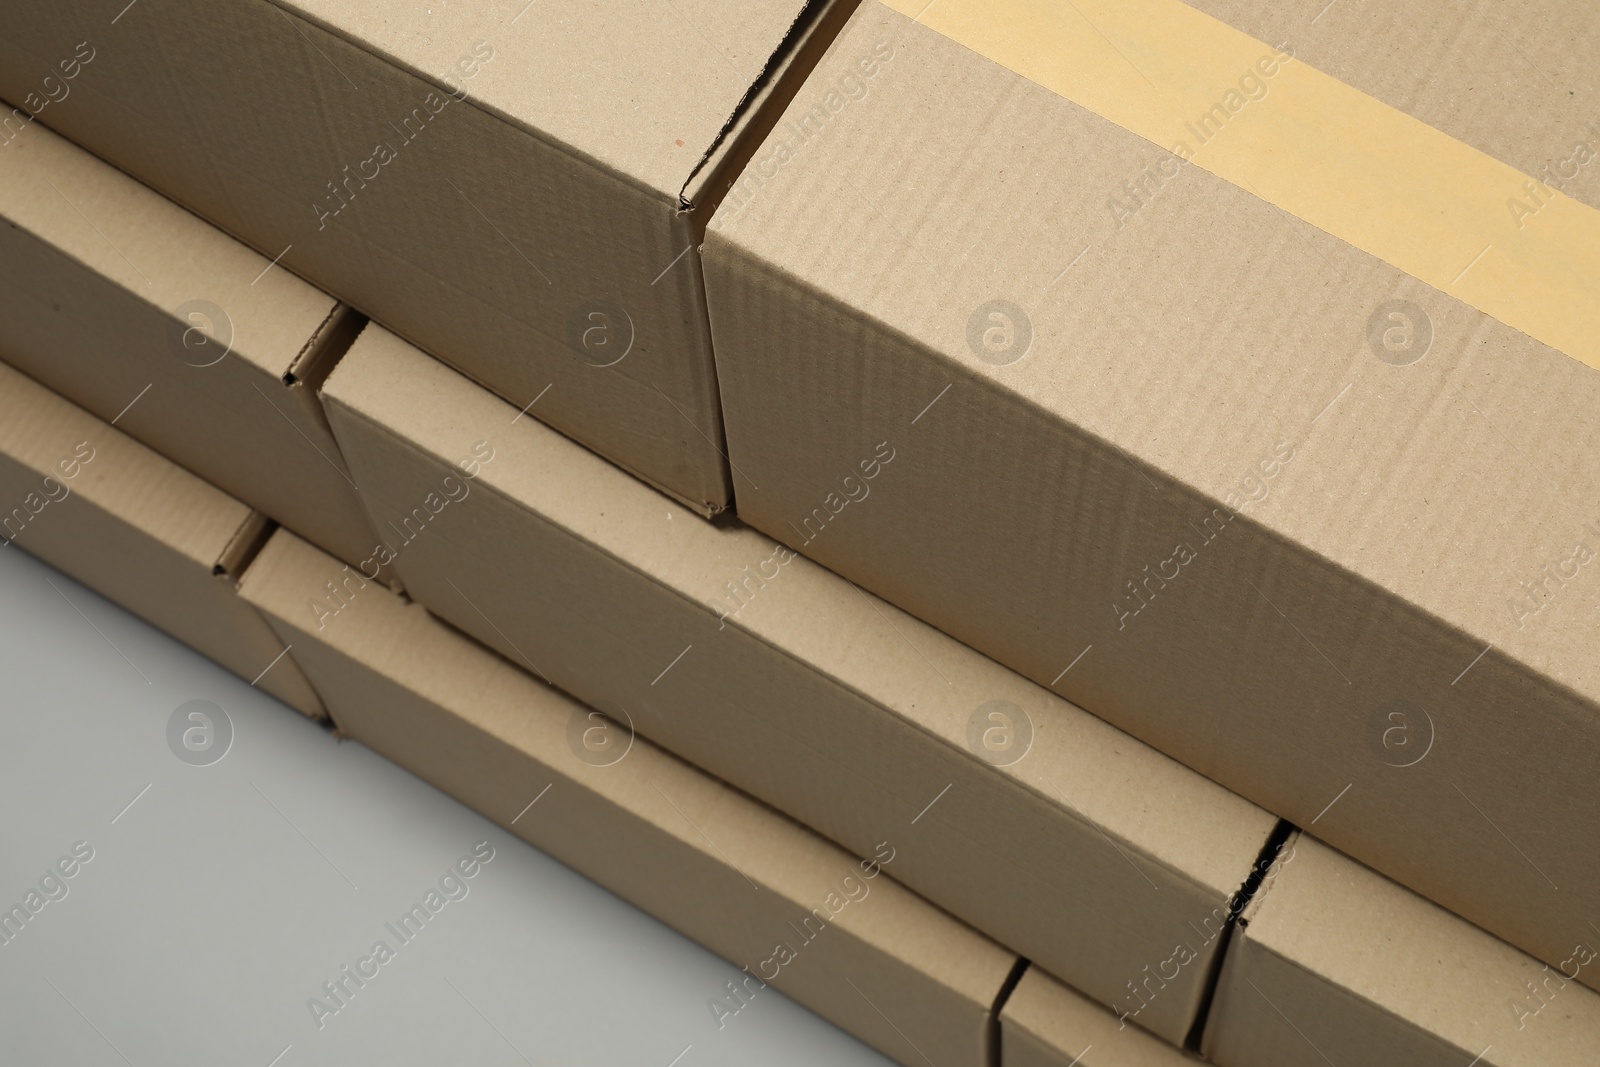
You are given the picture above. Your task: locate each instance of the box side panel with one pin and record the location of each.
(756, 585)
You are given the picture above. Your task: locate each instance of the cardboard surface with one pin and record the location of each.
(829, 929)
(1307, 525)
(1086, 851)
(1046, 1024)
(138, 529)
(142, 313)
(1337, 964)
(515, 187)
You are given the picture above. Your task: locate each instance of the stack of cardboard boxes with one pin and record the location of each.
(1051, 533)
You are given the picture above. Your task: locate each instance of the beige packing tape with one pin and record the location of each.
(1392, 186)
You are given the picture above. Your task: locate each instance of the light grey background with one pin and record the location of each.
(220, 898)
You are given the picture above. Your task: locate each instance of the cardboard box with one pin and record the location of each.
(517, 187)
(1314, 524)
(139, 530)
(1046, 1024)
(824, 927)
(1061, 837)
(1337, 964)
(150, 318)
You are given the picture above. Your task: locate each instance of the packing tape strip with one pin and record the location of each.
(1327, 153)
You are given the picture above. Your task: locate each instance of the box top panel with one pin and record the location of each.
(642, 87)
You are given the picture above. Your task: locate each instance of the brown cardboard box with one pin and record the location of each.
(517, 187)
(1337, 964)
(1046, 1024)
(99, 506)
(131, 307)
(1061, 837)
(1311, 523)
(828, 929)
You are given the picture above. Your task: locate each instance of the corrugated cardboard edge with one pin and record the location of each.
(243, 546)
(331, 339)
(914, 930)
(809, 36)
(1255, 886)
(282, 676)
(786, 71)
(303, 383)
